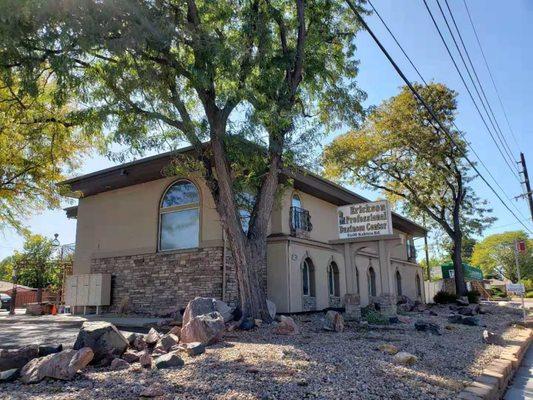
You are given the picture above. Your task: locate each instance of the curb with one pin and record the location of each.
(492, 383)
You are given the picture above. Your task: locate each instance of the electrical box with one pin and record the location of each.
(88, 290)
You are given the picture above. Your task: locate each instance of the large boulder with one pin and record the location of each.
(152, 337)
(405, 358)
(167, 341)
(333, 321)
(425, 326)
(63, 365)
(17, 358)
(103, 338)
(170, 360)
(205, 328)
(286, 326)
(205, 305)
(10, 375)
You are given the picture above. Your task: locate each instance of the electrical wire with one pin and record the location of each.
(490, 74)
(453, 122)
(427, 107)
(469, 91)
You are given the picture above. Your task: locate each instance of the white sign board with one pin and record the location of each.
(516, 288)
(365, 219)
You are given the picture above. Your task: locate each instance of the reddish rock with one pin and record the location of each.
(119, 364)
(287, 326)
(206, 329)
(145, 360)
(152, 337)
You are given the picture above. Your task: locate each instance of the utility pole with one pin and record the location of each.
(528, 193)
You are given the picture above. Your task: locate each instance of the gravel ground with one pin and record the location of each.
(313, 365)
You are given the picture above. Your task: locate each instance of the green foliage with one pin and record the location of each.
(529, 294)
(528, 283)
(443, 297)
(473, 296)
(375, 317)
(495, 255)
(39, 143)
(497, 293)
(6, 269)
(35, 265)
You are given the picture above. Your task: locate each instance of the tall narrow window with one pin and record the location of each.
(308, 278)
(398, 283)
(179, 217)
(371, 282)
(357, 280)
(418, 286)
(333, 279)
(296, 202)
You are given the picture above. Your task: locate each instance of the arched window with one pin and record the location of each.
(418, 286)
(371, 282)
(333, 279)
(398, 283)
(308, 278)
(296, 202)
(179, 217)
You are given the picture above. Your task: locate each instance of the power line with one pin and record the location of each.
(468, 88)
(490, 75)
(508, 149)
(453, 122)
(427, 107)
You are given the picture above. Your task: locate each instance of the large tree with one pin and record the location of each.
(168, 72)
(40, 141)
(400, 151)
(495, 255)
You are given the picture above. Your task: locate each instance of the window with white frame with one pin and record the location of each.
(179, 217)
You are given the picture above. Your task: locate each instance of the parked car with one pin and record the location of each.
(5, 301)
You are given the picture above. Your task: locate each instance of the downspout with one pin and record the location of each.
(224, 265)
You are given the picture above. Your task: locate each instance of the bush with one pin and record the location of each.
(375, 318)
(443, 297)
(529, 295)
(473, 296)
(497, 293)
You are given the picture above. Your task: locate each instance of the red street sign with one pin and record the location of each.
(521, 246)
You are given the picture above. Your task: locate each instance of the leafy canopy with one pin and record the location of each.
(39, 144)
(400, 151)
(495, 255)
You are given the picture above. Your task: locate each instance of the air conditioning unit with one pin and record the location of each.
(88, 290)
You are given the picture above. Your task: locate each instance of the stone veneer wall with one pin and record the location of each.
(161, 283)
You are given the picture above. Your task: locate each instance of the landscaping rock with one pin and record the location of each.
(388, 348)
(287, 326)
(145, 359)
(119, 364)
(103, 338)
(167, 341)
(492, 338)
(472, 321)
(176, 330)
(193, 349)
(207, 329)
(152, 337)
(455, 319)
(132, 336)
(63, 365)
(462, 301)
(272, 309)
(333, 321)
(420, 307)
(247, 324)
(17, 358)
(139, 343)
(206, 305)
(405, 358)
(472, 309)
(130, 356)
(45, 350)
(424, 326)
(10, 375)
(171, 360)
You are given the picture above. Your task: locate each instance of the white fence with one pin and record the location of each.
(431, 289)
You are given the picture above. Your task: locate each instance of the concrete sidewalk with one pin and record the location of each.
(522, 384)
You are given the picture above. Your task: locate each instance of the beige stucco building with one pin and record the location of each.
(161, 240)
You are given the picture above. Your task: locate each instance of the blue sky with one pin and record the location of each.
(505, 32)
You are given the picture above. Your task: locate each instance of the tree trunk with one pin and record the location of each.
(39, 295)
(460, 285)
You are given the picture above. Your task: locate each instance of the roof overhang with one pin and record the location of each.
(152, 168)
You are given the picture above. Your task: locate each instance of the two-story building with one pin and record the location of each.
(161, 240)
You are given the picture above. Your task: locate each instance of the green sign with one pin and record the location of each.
(471, 273)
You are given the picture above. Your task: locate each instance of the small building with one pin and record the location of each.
(161, 240)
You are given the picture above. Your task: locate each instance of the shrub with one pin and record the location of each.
(529, 295)
(374, 317)
(497, 293)
(443, 297)
(473, 296)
